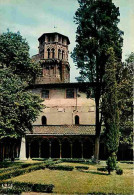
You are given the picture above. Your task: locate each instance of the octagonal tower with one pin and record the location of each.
(53, 56)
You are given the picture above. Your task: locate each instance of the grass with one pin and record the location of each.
(83, 182)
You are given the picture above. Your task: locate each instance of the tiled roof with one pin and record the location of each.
(64, 130)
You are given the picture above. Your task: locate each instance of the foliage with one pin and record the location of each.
(97, 31)
(18, 107)
(14, 54)
(125, 93)
(82, 167)
(18, 171)
(102, 169)
(110, 109)
(61, 167)
(111, 163)
(26, 187)
(119, 171)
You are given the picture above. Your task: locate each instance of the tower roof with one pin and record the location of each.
(53, 34)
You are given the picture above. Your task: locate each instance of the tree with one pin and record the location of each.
(125, 88)
(14, 54)
(96, 32)
(110, 109)
(19, 107)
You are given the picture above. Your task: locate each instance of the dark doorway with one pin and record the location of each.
(76, 120)
(35, 149)
(44, 120)
(55, 149)
(77, 151)
(66, 149)
(45, 149)
(87, 149)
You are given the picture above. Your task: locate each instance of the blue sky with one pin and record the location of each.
(35, 17)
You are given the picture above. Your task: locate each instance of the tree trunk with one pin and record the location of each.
(98, 130)
(97, 145)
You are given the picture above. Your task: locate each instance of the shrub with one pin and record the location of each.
(73, 160)
(102, 169)
(23, 187)
(18, 172)
(82, 167)
(119, 171)
(60, 167)
(111, 163)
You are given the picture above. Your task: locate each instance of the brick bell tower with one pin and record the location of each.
(53, 57)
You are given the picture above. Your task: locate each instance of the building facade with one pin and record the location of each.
(66, 126)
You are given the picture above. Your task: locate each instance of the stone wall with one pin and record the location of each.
(62, 111)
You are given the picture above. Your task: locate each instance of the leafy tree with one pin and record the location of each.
(125, 90)
(19, 107)
(14, 54)
(110, 109)
(96, 32)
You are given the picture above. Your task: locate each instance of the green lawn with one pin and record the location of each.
(77, 182)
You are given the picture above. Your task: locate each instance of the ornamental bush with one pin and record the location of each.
(61, 167)
(119, 171)
(82, 167)
(111, 163)
(18, 187)
(102, 169)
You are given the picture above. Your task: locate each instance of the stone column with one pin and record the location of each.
(49, 149)
(17, 152)
(23, 149)
(29, 150)
(82, 150)
(71, 150)
(39, 149)
(60, 150)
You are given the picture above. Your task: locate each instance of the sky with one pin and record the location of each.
(32, 18)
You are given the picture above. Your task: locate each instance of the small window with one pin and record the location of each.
(62, 54)
(45, 94)
(59, 54)
(53, 53)
(48, 51)
(70, 93)
(77, 120)
(44, 120)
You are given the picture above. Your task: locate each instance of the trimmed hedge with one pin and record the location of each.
(61, 167)
(102, 169)
(18, 172)
(51, 162)
(75, 160)
(24, 165)
(26, 187)
(82, 167)
(119, 171)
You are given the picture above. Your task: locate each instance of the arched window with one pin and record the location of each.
(77, 120)
(44, 120)
(62, 54)
(53, 53)
(59, 52)
(48, 51)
